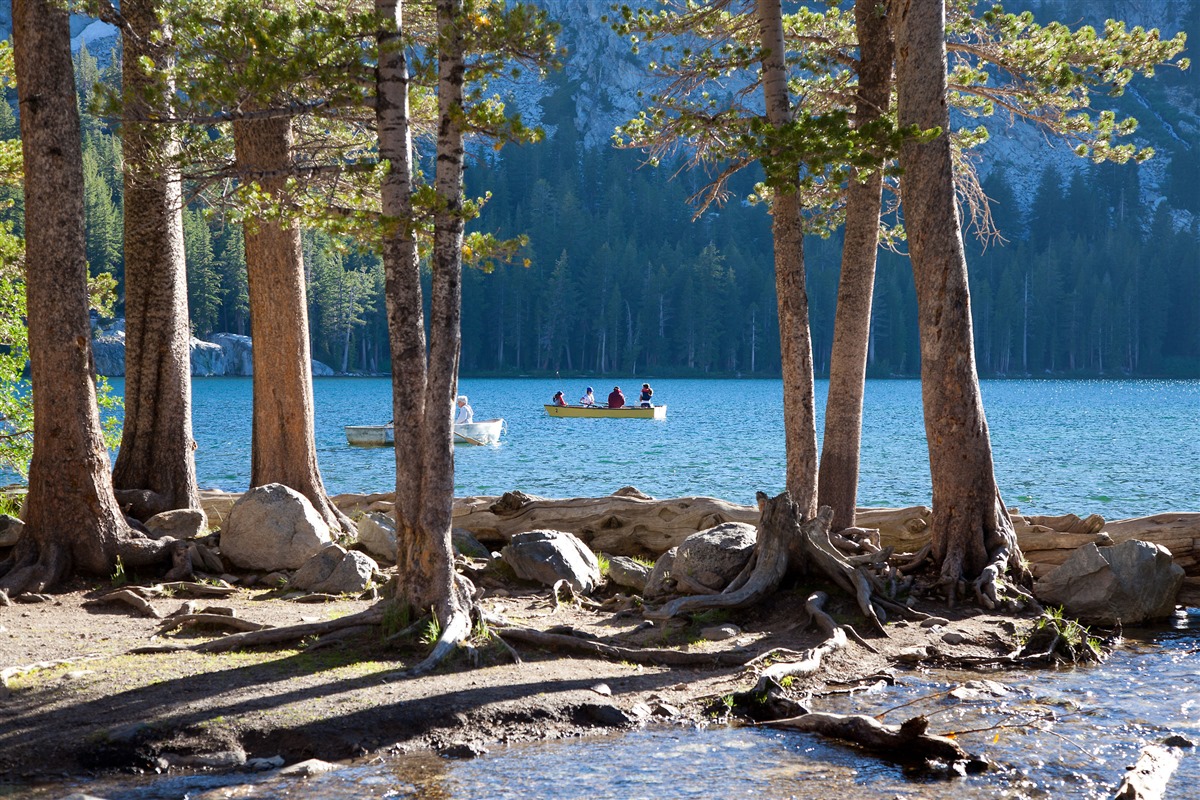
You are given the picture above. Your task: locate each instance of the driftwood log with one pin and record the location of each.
(1148, 778)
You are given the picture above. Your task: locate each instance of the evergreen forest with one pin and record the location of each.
(1087, 278)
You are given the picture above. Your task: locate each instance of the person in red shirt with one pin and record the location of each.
(615, 398)
(559, 400)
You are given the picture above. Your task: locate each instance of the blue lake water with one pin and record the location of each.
(1117, 448)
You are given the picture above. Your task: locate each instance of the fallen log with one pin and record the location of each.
(905, 742)
(1148, 778)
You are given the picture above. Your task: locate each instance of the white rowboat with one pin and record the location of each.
(486, 431)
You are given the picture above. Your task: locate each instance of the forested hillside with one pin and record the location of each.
(1098, 273)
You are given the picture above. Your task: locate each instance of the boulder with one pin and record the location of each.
(624, 571)
(207, 359)
(273, 527)
(1128, 583)
(465, 543)
(334, 570)
(10, 530)
(707, 561)
(178, 523)
(659, 582)
(550, 556)
(239, 352)
(377, 533)
(108, 349)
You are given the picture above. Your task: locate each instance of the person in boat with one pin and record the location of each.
(588, 399)
(644, 397)
(615, 398)
(464, 414)
(559, 400)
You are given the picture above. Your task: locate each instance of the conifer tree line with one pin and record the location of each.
(621, 279)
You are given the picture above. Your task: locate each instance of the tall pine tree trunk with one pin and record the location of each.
(423, 387)
(155, 469)
(283, 447)
(970, 527)
(840, 448)
(72, 521)
(795, 339)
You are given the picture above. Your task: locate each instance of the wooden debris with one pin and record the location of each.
(905, 742)
(1148, 778)
(8, 673)
(130, 598)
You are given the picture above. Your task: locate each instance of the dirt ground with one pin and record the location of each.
(88, 705)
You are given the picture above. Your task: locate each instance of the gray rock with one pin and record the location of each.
(719, 633)
(317, 569)
(377, 533)
(238, 352)
(179, 523)
(335, 570)
(275, 579)
(108, 349)
(953, 637)
(1128, 583)
(624, 571)
(659, 582)
(10, 530)
(352, 575)
(273, 527)
(466, 544)
(707, 561)
(550, 556)
(207, 359)
(313, 766)
(933, 622)
(322, 370)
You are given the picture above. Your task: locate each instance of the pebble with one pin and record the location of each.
(934, 621)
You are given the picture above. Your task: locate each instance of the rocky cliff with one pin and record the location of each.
(226, 354)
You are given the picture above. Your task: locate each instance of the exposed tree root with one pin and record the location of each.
(637, 655)
(130, 598)
(455, 631)
(784, 542)
(210, 621)
(905, 742)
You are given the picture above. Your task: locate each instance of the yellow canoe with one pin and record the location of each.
(603, 412)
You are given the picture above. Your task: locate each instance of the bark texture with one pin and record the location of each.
(72, 521)
(283, 447)
(155, 469)
(970, 527)
(406, 324)
(787, 229)
(838, 475)
(424, 386)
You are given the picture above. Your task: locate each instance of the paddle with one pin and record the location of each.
(468, 439)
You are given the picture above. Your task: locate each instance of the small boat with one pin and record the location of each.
(604, 412)
(485, 431)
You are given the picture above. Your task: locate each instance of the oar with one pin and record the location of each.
(468, 439)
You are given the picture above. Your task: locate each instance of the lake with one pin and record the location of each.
(1116, 448)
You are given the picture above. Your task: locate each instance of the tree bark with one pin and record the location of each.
(402, 276)
(155, 469)
(283, 445)
(795, 339)
(838, 474)
(424, 386)
(72, 521)
(970, 527)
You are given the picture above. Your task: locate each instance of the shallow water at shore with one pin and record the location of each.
(1055, 734)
